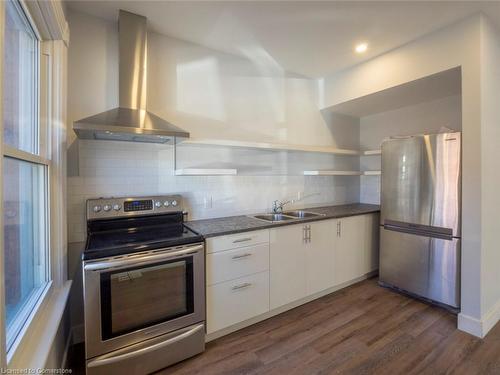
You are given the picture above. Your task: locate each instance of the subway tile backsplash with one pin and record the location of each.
(131, 169)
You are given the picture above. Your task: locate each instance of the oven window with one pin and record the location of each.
(139, 297)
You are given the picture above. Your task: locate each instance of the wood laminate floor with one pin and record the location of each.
(363, 329)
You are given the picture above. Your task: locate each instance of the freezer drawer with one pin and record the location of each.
(425, 266)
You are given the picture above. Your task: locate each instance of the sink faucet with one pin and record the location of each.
(278, 206)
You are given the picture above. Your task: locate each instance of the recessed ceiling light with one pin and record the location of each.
(361, 47)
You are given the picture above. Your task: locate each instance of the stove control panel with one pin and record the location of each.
(105, 208)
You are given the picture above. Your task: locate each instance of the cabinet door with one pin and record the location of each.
(371, 242)
(349, 249)
(287, 270)
(320, 256)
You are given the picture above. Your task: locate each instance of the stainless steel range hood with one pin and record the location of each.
(130, 121)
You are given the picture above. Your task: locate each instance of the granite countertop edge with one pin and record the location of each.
(245, 223)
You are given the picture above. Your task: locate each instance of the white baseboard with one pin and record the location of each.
(470, 325)
(480, 327)
(491, 318)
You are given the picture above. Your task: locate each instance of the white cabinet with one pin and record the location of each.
(371, 242)
(237, 278)
(237, 300)
(234, 241)
(301, 261)
(249, 274)
(320, 256)
(232, 264)
(356, 250)
(349, 253)
(287, 261)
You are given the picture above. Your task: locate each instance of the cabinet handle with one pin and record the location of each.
(241, 286)
(338, 228)
(243, 240)
(309, 233)
(246, 255)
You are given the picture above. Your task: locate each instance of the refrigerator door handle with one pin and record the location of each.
(434, 232)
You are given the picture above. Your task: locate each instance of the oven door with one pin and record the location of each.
(136, 297)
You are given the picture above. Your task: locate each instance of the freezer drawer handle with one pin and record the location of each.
(149, 349)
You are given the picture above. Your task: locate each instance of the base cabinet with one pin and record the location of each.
(302, 261)
(371, 235)
(320, 256)
(237, 300)
(286, 262)
(349, 252)
(252, 273)
(356, 248)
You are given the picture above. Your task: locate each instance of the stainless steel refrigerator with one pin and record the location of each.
(420, 216)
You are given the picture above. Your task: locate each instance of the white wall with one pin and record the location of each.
(457, 45)
(209, 93)
(422, 118)
(212, 95)
(490, 155)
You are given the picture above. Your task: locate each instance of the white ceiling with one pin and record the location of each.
(309, 38)
(427, 89)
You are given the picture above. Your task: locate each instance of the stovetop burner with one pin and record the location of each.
(152, 226)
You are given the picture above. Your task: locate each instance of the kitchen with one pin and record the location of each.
(267, 176)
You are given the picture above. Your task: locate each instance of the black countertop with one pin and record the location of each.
(237, 224)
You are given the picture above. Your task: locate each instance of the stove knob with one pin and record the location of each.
(166, 203)
(107, 208)
(97, 208)
(158, 204)
(174, 203)
(117, 207)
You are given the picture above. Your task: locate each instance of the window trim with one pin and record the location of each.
(36, 342)
(17, 154)
(40, 303)
(42, 150)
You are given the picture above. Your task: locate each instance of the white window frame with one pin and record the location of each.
(33, 343)
(31, 307)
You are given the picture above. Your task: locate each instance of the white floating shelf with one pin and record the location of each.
(372, 152)
(372, 173)
(205, 172)
(332, 173)
(271, 146)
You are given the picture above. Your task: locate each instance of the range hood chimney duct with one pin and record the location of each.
(130, 121)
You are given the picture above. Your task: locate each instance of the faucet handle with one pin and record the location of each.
(277, 206)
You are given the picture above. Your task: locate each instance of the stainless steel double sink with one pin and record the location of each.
(286, 216)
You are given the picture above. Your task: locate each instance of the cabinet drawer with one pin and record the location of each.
(234, 301)
(234, 241)
(232, 264)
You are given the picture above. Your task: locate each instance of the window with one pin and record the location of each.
(25, 175)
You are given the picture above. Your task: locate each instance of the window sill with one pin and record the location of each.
(34, 348)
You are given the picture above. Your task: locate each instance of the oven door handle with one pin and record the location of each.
(142, 351)
(140, 260)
